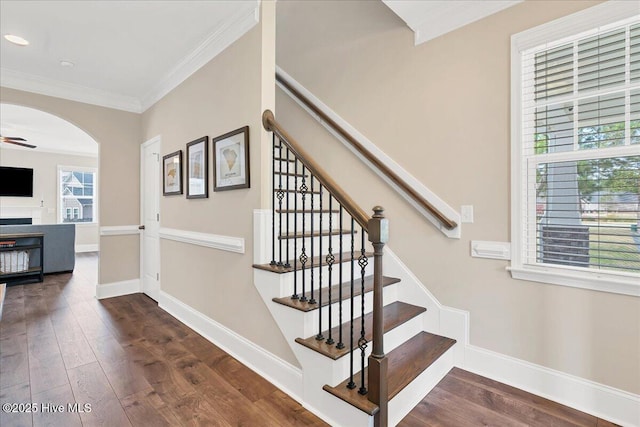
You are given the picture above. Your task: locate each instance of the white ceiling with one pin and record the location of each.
(127, 54)
(432, 18)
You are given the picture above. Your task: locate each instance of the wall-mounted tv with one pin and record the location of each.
(16, 182)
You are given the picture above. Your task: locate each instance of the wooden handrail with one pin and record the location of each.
(359, 215)
(448, 223)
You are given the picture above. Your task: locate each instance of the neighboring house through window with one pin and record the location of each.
(77, 190)
(576, 150)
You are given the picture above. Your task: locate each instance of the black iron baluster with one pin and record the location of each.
(362, 342)
(280, 196)
(303, 255)
(311, 240)
(273, 212)
(320, 337)
(340, 344)
(288, 194)
(351, 383)
(330, 260)
(295, 231)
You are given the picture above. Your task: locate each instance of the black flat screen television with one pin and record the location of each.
(16, 182)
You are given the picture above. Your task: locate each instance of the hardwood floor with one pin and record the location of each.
(135, 365)
(129, 361)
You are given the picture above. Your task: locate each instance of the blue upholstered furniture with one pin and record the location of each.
(59, 244)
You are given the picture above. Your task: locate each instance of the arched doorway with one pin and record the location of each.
(64, 161)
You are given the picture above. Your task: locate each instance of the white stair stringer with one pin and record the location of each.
(319, 370)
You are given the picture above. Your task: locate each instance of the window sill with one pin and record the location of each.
(601, 281)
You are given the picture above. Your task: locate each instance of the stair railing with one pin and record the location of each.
(446, 222)
(292, 162)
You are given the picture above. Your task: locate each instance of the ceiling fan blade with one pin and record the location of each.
(12, 138)
(19, 143)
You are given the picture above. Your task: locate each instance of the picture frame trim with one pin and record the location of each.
(205, 141)
(245, 144)
(164, 174)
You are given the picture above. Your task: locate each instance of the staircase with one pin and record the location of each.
(366, 354)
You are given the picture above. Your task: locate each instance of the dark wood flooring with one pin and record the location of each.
(134, 364)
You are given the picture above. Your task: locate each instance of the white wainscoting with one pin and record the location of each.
(215, 241)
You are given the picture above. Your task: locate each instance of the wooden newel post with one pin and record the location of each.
(378, 388)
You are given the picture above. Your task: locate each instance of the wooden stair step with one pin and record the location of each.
(280, 159)
(394, 315)
(306, 211)
(405, 364)
(291, 174)
(298, 191)
(316, 233)
(335, 293)
(317, 262)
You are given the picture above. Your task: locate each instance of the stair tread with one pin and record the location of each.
(405, 364)
(280, 159)
(346, 256)
(290, 174)
(346, 293)
(394, 315)
(315, 233)
(307, 211)
(298, 191)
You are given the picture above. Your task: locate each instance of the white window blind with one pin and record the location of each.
(580, 152)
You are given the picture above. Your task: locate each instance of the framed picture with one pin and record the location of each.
(198, 168)
(231, 160)
(172, 174)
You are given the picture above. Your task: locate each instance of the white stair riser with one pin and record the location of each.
(415, 391)
(339, 369)
(311, 319)
(295, 248)
(322, 272)
(307, 221)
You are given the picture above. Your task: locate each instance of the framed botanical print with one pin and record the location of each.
(231, 160)
(198, 168)
(172, 173)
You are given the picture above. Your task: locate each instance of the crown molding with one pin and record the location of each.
(234, 28)
(231, 30)
(44, 86)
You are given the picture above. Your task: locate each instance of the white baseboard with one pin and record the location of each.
(602, 401)
(282, 374)
(596, 399)
(116, 289)
(87, 248)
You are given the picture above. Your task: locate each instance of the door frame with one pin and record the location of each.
(143, 146)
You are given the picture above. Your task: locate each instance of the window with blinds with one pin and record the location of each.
(580, 152)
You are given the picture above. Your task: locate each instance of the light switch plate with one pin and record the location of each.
(466, 214)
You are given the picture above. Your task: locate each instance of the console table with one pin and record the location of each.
(31, 243)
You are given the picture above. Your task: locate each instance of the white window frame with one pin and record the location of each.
(83, 169)
(555, 33)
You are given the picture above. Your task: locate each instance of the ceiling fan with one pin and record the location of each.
(16, 140)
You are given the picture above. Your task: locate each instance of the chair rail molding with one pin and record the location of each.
(214, 241)
(119, 230)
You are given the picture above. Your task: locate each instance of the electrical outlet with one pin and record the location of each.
(466, 214)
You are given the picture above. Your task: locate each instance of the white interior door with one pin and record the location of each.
(150, 217)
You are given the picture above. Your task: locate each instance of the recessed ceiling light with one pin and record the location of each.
(67, 63)
(16, 39)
